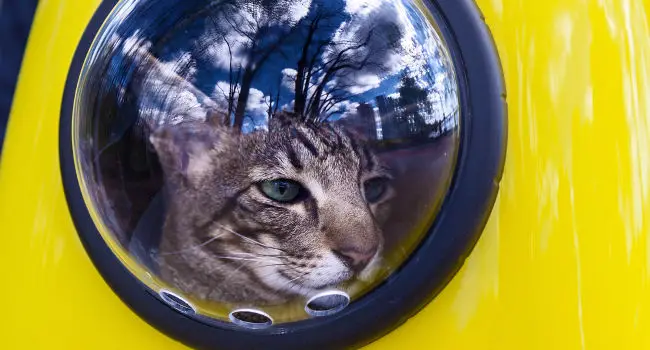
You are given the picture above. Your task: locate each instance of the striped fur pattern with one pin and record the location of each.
(225, 240)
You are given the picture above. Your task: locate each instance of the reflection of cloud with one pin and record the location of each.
(288, 106)
(421, 51)
(179, 106)
(163, 103)
(296, 9)
(221, 94)
(289, 78)
(223, 48)
(256, 107)
(274, 12)
(227, 39)
(181, 64)
(369, 40)
(165, 92)
(135, 45)
(347, 108)
(359, 7)
(257, 102)
(439, 83)
(365, 83)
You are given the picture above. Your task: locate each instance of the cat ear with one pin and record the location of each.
(188, 149)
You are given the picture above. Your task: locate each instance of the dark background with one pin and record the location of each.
(15, 22)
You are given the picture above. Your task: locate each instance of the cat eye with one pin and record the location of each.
(284, 191)
(374, 189)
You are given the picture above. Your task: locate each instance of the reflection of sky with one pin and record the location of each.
(422, 56)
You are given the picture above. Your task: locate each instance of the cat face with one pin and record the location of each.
(295, 209)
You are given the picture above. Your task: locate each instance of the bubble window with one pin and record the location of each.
(261, 165)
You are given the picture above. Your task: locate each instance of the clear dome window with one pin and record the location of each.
(258, 155)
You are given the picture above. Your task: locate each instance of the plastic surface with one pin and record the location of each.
(562, 264)
(370, 164)
(425, 273)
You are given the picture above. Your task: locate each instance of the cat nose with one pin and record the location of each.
(354, 258)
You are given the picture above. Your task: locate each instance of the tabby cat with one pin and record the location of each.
(267, 216)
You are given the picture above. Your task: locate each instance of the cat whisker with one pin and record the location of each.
(297, 278)
(293, 285)
(252, 258)
(248, 239)
(233, 272)
(193, 247)
(230, 275)
(271, 265)
(262, 255)
(280, 264)
(235, 258)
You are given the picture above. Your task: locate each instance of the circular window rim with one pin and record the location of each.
(451, 238)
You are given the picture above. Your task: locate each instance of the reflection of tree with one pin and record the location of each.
(412, 114)
(333, 50)
(329, 58)
(273, 103)
(312, 49)
(414, 102)
(253, 30)
(362, 122)
(326, 69)
(234, 78)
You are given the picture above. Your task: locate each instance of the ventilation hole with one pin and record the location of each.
(177, 302)
(250, 318)
(327, 303)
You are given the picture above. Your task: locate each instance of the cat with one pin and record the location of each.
(265, 217)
